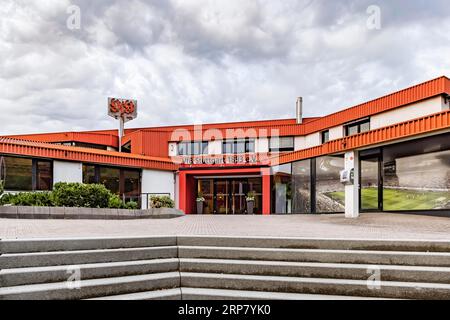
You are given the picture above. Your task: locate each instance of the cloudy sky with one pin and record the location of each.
(209, 60)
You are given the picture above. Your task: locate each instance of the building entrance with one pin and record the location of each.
(229, 195)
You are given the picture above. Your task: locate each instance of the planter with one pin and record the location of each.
(23, 212)
(250, 207)
(199, 207)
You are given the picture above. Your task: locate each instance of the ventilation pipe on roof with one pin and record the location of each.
(299, 110)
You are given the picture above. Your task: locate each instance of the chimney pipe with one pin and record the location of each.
(299, 110)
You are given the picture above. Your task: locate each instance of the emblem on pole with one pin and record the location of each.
(123, 110)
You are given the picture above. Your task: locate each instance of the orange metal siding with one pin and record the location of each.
(154, 141)
(85, 137)
(44, 150)
(434, 122)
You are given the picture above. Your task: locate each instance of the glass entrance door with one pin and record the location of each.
(370, 183)
(222, 196)
(239, 189)
(229, 196)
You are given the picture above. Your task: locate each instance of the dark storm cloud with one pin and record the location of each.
(205, 60)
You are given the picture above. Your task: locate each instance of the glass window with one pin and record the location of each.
(351, 130)
(240, 147)
(357, 127)
(110, 178)
(18, 174)
(132, 185)
(228, 147)
(192, 148)
(89, 174)
(195, 148)
(301, 185)
(365, 126)
(184, 149)
(281, 144)
(250, 146)
(330, 192)
(204, 147)
(325, 136)
(282, 189)
(44, 175)
(417, 175)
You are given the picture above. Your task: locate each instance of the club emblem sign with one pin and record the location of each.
(122, 109)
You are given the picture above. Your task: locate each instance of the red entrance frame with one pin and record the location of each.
(187, 185)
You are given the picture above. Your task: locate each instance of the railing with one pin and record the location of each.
(145, 197)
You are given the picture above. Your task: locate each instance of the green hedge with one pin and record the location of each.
(161, 202)
(37, 199)
(70, 195)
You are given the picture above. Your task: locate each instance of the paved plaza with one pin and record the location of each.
(368, 226)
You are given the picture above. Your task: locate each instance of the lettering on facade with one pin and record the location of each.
(220, 160)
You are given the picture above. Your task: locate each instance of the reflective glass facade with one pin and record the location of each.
(25, 174)
(416, 175)
(330, 194)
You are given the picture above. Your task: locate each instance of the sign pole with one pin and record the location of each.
(124, 111)
(121, 132)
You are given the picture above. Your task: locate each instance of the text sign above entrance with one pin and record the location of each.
(220, 160)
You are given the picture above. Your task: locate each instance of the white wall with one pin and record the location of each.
(299, 143)
(156, 181)
(176, 191)
(215, 147)
(409, 112)
(309, 141)
(262, 145)
(173, 150)
(64, 171)
(336, 132)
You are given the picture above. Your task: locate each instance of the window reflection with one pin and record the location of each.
(18, 174)
(330, 193)
(301, 185)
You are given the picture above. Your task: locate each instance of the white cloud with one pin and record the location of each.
(207, 61)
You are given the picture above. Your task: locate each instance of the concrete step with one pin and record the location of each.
(317, 270)
(220, 294)
(71, 244)
(168, 294)
(441, 259)
(355, 288)
(92, 288)
(34, 275)
(323, 243)
(56, 258)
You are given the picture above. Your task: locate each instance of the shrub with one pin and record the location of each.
(131, 205)
(2, 188)
(81, 195)
(161, 202)
(114, 202)
(70, 195)
(35, 199)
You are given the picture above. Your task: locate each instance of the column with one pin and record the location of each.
(182, 191)
(352, 189)
(266, 191)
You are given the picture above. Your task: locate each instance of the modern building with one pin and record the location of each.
(392, 152)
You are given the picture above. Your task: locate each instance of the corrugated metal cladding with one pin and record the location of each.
(50, 151)
(434, 122)
(110, 140)
(154, 141)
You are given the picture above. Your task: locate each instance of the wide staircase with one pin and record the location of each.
(209, 267)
